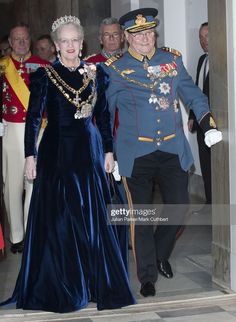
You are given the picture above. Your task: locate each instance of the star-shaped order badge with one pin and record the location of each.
(163, 103)
(164, 88)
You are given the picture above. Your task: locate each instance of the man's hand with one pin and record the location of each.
(212, 137)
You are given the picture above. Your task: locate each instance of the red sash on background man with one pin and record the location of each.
(17, 83)
(15, 80)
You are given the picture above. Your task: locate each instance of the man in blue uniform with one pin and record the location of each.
(145, 85)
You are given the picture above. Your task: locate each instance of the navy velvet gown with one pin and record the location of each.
(71, 255)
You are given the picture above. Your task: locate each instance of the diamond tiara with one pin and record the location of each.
(64, 20)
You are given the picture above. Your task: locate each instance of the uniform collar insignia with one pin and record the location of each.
(141, 57)
(151, 54)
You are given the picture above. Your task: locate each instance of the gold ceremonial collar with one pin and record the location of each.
(21, 59)
(140, 57)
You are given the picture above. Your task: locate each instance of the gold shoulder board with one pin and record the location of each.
(172, 50)
(112, 60)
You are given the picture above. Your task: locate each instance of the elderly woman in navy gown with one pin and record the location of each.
(71, 255)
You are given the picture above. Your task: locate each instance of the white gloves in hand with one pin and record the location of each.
(212, 137)
(2, 129)
(115, 172)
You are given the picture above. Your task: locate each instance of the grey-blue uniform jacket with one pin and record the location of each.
(146, 92)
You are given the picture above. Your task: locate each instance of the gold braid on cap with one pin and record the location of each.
(65, 20)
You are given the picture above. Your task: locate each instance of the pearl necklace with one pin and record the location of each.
(71, 68)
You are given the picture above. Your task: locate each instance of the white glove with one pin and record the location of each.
(212, 137)
(2, 129)
(116, 173)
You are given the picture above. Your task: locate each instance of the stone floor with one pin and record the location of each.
(189, 296)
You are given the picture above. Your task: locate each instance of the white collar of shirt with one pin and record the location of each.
(205, 66)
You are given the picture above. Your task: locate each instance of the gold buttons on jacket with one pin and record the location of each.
(13, 110)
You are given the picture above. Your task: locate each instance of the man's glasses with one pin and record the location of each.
(107, 35)
(141, 35)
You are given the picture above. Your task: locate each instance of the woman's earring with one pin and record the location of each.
(58, 54)
(80, 52)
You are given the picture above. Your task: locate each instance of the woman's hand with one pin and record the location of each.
(109, 163)
(30, 168)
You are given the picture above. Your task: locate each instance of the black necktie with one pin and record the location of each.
(205, 71)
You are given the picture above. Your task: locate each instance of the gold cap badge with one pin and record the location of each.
(140, 20)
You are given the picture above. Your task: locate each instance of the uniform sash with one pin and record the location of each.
(16, 81)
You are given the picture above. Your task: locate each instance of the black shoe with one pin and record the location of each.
(164, 269)
(17, 247)
(147, 289)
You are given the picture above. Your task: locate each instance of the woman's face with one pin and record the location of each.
(69, 42)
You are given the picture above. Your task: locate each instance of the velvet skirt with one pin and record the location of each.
(71, 256)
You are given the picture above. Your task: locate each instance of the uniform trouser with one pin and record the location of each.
(13, 178)
(205, 164)
(15, 185)
(156, 244)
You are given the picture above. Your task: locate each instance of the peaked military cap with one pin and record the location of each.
(140, 19)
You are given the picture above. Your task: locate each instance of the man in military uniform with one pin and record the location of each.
(17, 68)
(145, 85)
(111, 38)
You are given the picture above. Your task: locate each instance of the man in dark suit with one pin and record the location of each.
(202, 80)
